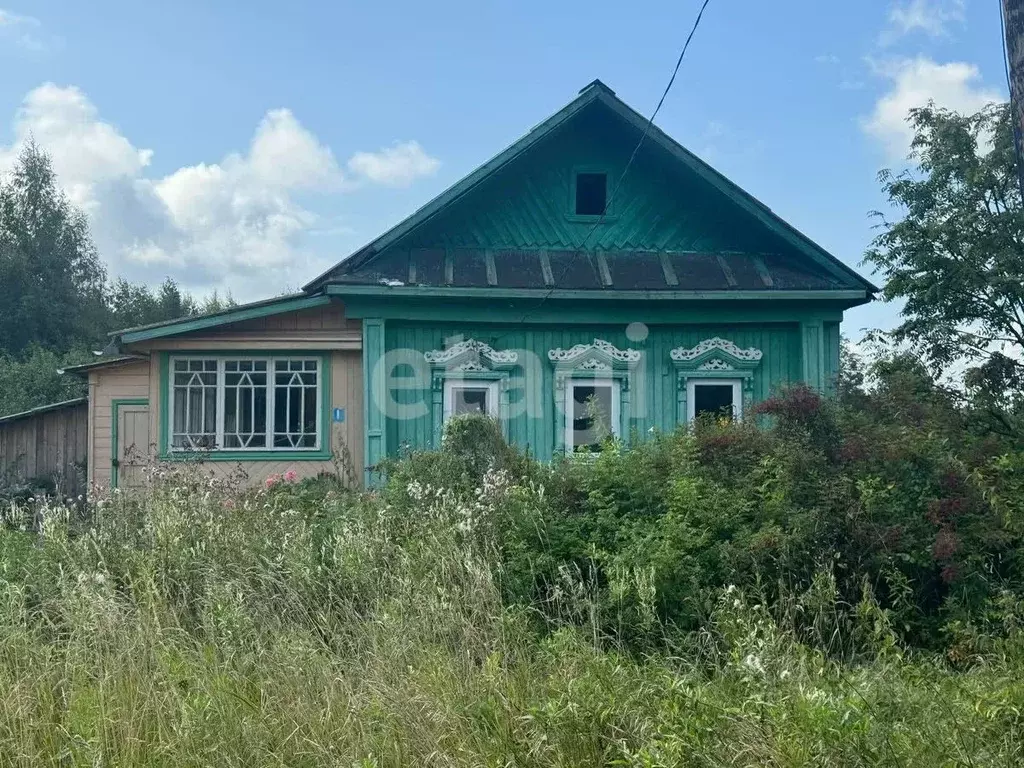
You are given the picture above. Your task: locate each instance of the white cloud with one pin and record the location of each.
(86, 151)
(22, 31)
(955, 85)
(931, 17)
(827, 58)
(395, 166)
(236, 224)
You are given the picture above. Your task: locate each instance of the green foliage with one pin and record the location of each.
(55, 306)
(32, 380)
(303, 624)
(955, 254)
(51, 275)
(872, 490)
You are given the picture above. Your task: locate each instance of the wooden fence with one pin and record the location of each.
(48, 443)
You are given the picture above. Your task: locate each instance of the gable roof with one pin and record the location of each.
(827, 272)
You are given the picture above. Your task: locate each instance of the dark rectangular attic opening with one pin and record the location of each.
(591, 194)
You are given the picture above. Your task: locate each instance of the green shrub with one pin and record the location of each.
(839, 586)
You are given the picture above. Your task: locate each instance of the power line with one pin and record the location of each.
(1006, 56)
(632, 157)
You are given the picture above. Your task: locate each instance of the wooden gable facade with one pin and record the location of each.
(679, 258)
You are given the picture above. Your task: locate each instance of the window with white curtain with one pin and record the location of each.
(245, 404)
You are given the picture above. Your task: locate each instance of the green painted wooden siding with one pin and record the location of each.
(529, 204)
(832, 347)
(781, 363)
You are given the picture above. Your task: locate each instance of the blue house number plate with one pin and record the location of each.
(338, 415)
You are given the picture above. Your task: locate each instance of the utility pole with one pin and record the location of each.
(1013, 30)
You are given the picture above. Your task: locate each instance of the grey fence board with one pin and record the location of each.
(49, 442)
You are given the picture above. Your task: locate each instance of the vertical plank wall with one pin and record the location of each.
(52, 444)
(780, 343)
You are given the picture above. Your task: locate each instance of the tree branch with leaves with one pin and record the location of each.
(954, 253)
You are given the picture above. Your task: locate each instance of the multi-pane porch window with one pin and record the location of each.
(245, 404)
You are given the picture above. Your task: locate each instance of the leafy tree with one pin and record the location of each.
(52, 276)
(956, 255)
(132, 304)
(32, 380)
(55, 304)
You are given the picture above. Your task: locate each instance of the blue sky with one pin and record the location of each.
(246, 145)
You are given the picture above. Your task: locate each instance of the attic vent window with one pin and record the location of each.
(591, 194)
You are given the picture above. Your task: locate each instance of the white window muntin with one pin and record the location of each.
(490, 386)
(209, 365)
(569, 406)
(691, 395)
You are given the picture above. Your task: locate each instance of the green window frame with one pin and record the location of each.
(320, 451)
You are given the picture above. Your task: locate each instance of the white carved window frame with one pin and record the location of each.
(691, 395)
(719, 361)
(597, 363)
(488, 385)
(464, 363)
(569, 406)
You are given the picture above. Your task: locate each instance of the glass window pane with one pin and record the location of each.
(469, 400)
(245, 403)
(295, 398)
(591, 415)
(194, 404)
(714, 400)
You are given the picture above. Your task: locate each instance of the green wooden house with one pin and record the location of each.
(546, 279)
(551, 288)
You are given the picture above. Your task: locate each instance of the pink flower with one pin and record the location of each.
(272, 480)
(229, 504)
(291, 476)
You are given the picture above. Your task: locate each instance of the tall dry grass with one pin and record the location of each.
(196, 626)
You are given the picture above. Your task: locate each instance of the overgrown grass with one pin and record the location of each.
(194, 625)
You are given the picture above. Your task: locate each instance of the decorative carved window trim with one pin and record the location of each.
(600, 360)
(468, 360)
(714, 358)
(716, 347)
(470, 352)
